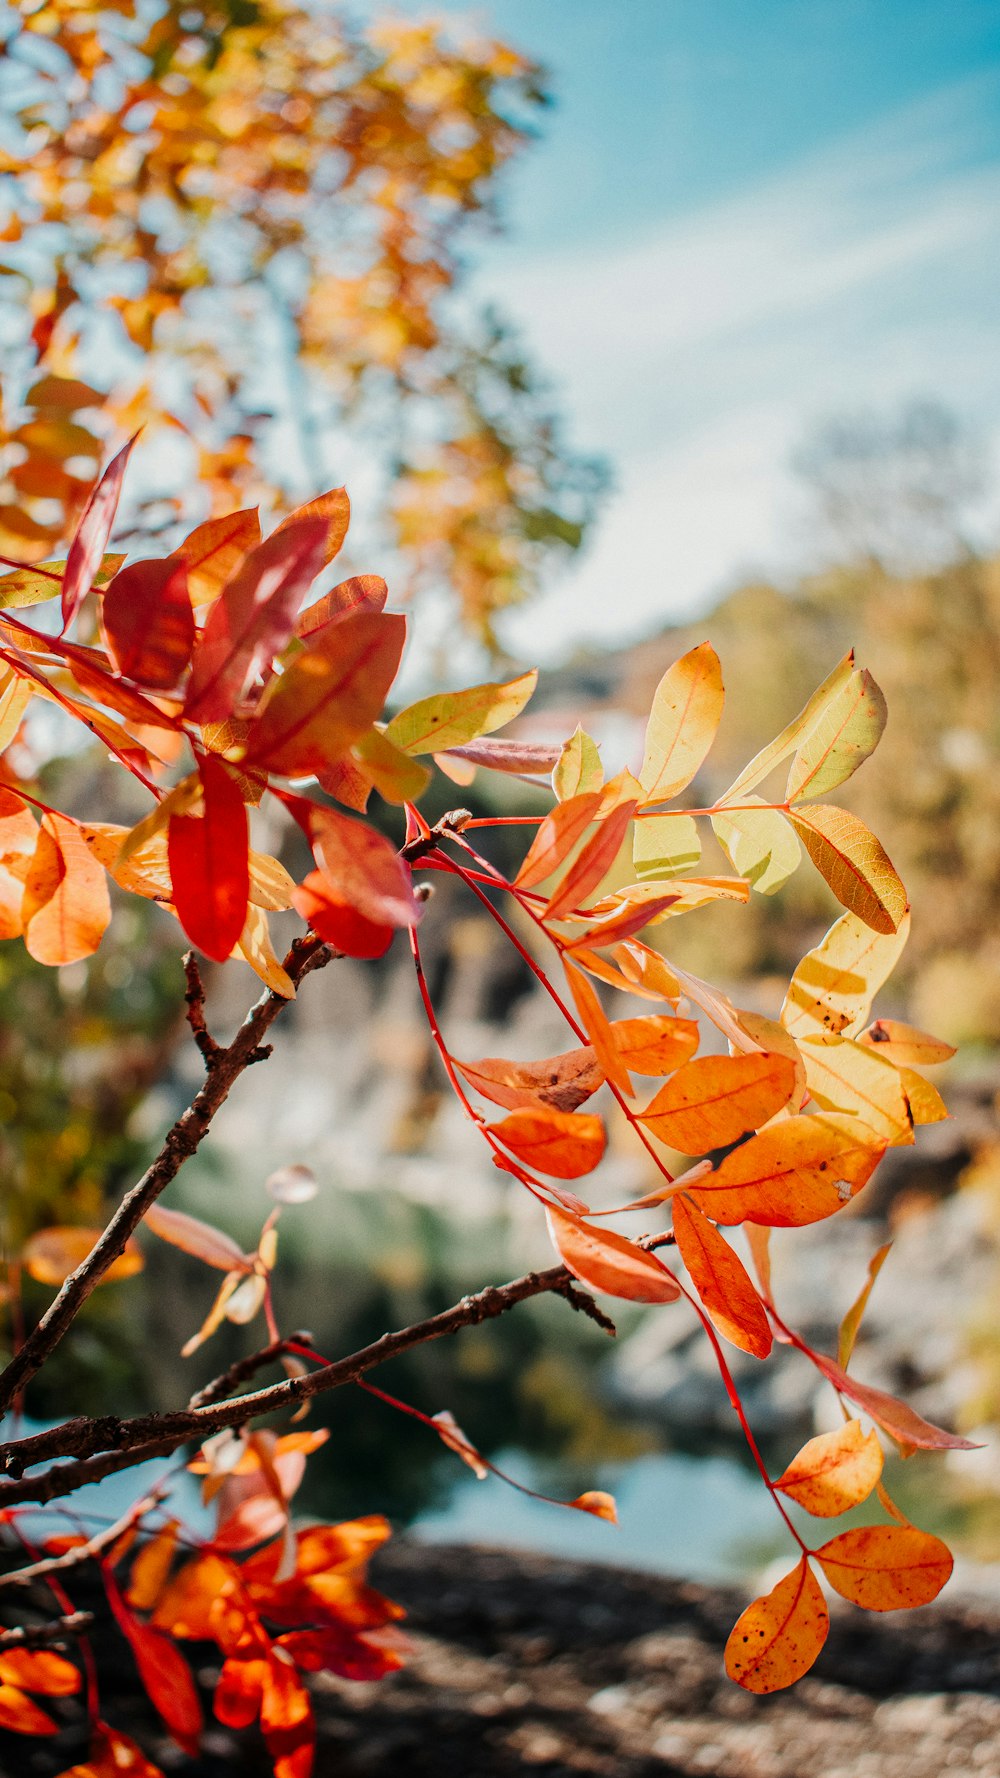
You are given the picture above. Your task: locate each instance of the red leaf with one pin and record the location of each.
(367, 590)
(359, 866)
(903, 1424)
(556, 837)
(208, 857)
(721, 1280)
(608, 1262)
(92, 533)
(163, 1670)
(329, 694)
(148, 622)
(214, 550)
(253, 619)
(337, 922)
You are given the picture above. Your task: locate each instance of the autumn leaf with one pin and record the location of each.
(90, 538)
(711, 1102)
(24, 1670)
(845, 1076)
(451, 1434)
(655, 1045)
(833, 987)
(213, 552)
(778, 1637)
(759, 844)
(565, 1144)
(359, 866)
(396, 777)
(113, 1755)
(904, 1044)
(451, 719)
(165, 1675)
(329, 695)
(925, 1102)
(151, 1567)
(853, 863)
(790, 736)
(910, 1430)
(592, 864)
(721, 1280)
(253, 619)
(851, 1324)
(687, 707)
(148, 622)
(833, 1472)
(337, 922)
(361, 590)
(608, 1263)
(198, 1238)
(564, 1082)
(595, 1023)
(333, 510)
(847, 730)
(52, 1254)
(208, 855)
(578, 767)
(598, 1503)
(886, 1567)
(798, 1171)
(523, 759)
(665, 846)
(556, 837)
(66, 908)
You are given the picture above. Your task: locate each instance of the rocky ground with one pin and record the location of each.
(523, 1664)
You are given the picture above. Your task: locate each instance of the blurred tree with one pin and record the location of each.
(895, 489)
(248, 215)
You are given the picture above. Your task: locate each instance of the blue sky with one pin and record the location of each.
(739, 220)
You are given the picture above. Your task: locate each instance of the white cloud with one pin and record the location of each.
(696, 354)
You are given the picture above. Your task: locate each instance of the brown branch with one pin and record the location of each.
(42, 1635)
(194, 1000)
(244, 1368)
(180, 1144)
(103, 1446)
(94, 1546)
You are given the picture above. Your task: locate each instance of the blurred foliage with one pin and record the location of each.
(249, 215)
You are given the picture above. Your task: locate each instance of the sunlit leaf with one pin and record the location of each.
(208, 855)
(213, 551)
(329, 695)
(338, 922)
(687, 707)
(904, 1044)
(199, 1238)
(834, 985)
(334, 510)
(556, 837)
(566, 1144)
(779, 1636)
(600, 1032)
(53, 1253)
(853, 863)
(790, 736)
(760, 844)
(148, 622)
(608, 1263)
(367, 590)
(886, 1567)
(92, 532)
(592, 863)
(114, 1755)
(655, 1045)
(910, 1430)
(598, 1503)
(845, 1076)
(578, 767)
(33, 586)
(564, 1082)
(851, 1323)
(665, 846)
(833, 1472)
(66, 908)
(450, 719)
(711, 1102)
(721, 1280)
(360, 866)
(152, 1566)
(798, 1171)
(165, 1675)
(925, 1102)
(847, 730)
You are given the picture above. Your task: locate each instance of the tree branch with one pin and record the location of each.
(181, 1142)
(44, 1635)
(103, 1446)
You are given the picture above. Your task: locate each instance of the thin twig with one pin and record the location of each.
(103, 1446)
(180, 1144)
(85, 1552)
(194, 1000)
(244, 1368)
(44, 1635)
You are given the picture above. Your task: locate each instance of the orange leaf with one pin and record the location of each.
(208, 856)
(925, 1102)
(66, 907)
(628, 918)
(798, 1171)
(721, 1280)
(564, 1082)
(53, 1253)
(151, 1568)
(214, 550)
(334, 509)
(22, 1714)
(778, 1637)
(610, 1263)
(114, 1755)
(253, 619)
(198, 1238)
(165, 1675)
(687, 706)
(908, 1428)
(711, 1102)
(558, 1142)
(592, 866)
(148, 622)
(368, 590)
(329, 695)
(834, 985)
(886, 1567)
(655, 1045)
(39, 1670)
(451, 1434)
(556, 837)
(359, 866)
(86, 551)
(905, 1044)
(854, 864)
(596, 1501)
(835, 1471)
(598, 1030)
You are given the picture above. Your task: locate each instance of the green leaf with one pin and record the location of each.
(451, 719)
(759, 844)
(789, 738)
(847, 731)
(32, 586)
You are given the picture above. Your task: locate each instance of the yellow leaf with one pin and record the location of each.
(886, 1567)
(15, 697)
(834, 1472)
(904, 1044)
(845, 1076)
(578, 767)
(450, 719)
(847, 730)
(797, 1171)
(759, 844)
(665, 845)
(854, 864)
(396, 777)
(833, 987)
(687, 706)
(255, 948)
(789, 738)
(925, 1102)
(852, 1320)
(778, 1637)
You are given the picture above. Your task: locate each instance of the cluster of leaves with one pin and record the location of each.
(168, 167)
(216, 687)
